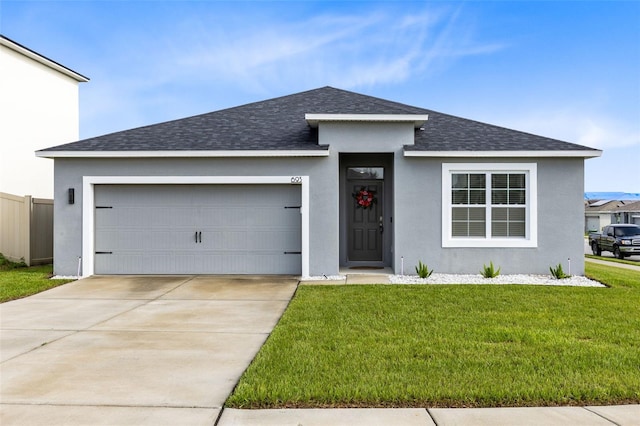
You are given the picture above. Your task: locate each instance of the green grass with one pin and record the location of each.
(17, 280)
(613, 276)
(453, 346)
(612, 259)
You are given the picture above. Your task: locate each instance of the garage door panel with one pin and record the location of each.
(242, 229)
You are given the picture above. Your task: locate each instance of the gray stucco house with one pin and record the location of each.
(313, 182)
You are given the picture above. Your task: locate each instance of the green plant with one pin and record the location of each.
(557, 272)
(423, 270)
(490, 271)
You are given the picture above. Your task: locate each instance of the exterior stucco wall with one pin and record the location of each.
(323, 209)
(366, 137)
(39, 109)
(418, 229)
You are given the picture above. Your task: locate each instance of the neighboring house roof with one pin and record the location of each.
(23, 50)
(612, 206)
(279, 124)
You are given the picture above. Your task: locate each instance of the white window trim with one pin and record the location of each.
(531, 239)
(88, 204)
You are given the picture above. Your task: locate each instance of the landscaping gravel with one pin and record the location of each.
(574, 281)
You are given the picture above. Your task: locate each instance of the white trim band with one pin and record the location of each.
(417, 119)
(88, 204)
(503, 154)
(183, 154)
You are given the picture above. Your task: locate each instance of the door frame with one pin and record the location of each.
(367, 160)
(88, 204)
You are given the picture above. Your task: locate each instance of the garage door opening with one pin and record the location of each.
(205, 228)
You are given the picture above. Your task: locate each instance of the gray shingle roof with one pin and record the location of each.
(279, 124)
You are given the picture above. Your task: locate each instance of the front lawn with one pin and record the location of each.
(453, 346)
(18, 280)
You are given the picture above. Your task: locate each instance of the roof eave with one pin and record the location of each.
(25, 51)
(417, 120)
(183, 154)
(502, 154)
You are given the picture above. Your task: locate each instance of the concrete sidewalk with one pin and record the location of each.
(616, 264)
(623, 415)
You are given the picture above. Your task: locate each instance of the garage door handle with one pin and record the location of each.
(200, 236)
(196, 237)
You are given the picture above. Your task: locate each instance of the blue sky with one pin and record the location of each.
(568, 70)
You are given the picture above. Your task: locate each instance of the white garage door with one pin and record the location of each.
(197, 229)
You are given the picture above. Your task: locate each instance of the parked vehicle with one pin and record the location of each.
(622, 240)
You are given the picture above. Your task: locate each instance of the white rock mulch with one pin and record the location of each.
(574, 281)
(64, 277)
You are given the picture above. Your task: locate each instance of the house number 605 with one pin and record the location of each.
(296, 179)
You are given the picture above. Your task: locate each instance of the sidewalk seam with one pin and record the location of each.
(602, 416)
(217, 420)
(431, 416)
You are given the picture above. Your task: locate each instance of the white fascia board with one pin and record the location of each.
(182, 154)
(43, 60)
(417, 119)
(504, 154)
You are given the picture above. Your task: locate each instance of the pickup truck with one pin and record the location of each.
(623, 240)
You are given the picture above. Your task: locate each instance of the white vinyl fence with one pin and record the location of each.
(26, 229)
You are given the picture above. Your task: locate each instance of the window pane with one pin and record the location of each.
(517, 214)
(477, 214)
(516, 196)
(498, 214)
(498, 229)
(460, 213)
(477, 196)
(516, 229)
(516, 181)
(459, 180)
(477, 181)
(499, 196)
(498, 181)
(476, 229)
(365, 173)
(459, 196)
(459, 229)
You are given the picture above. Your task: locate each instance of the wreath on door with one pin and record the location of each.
(365, 198)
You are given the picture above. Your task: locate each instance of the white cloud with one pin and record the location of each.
(589, 128)
(355, 50)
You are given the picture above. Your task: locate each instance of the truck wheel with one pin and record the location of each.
(617, 253)
(595, 249)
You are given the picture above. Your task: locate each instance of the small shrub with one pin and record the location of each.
(423, 270)
(557, 272)
(490, 271)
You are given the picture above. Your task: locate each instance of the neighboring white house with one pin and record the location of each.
(38, 108)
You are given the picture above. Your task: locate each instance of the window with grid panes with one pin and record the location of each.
(488, 205)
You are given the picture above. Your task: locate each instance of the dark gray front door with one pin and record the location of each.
(364, 223)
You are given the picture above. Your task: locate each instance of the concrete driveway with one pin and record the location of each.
(133, 350)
